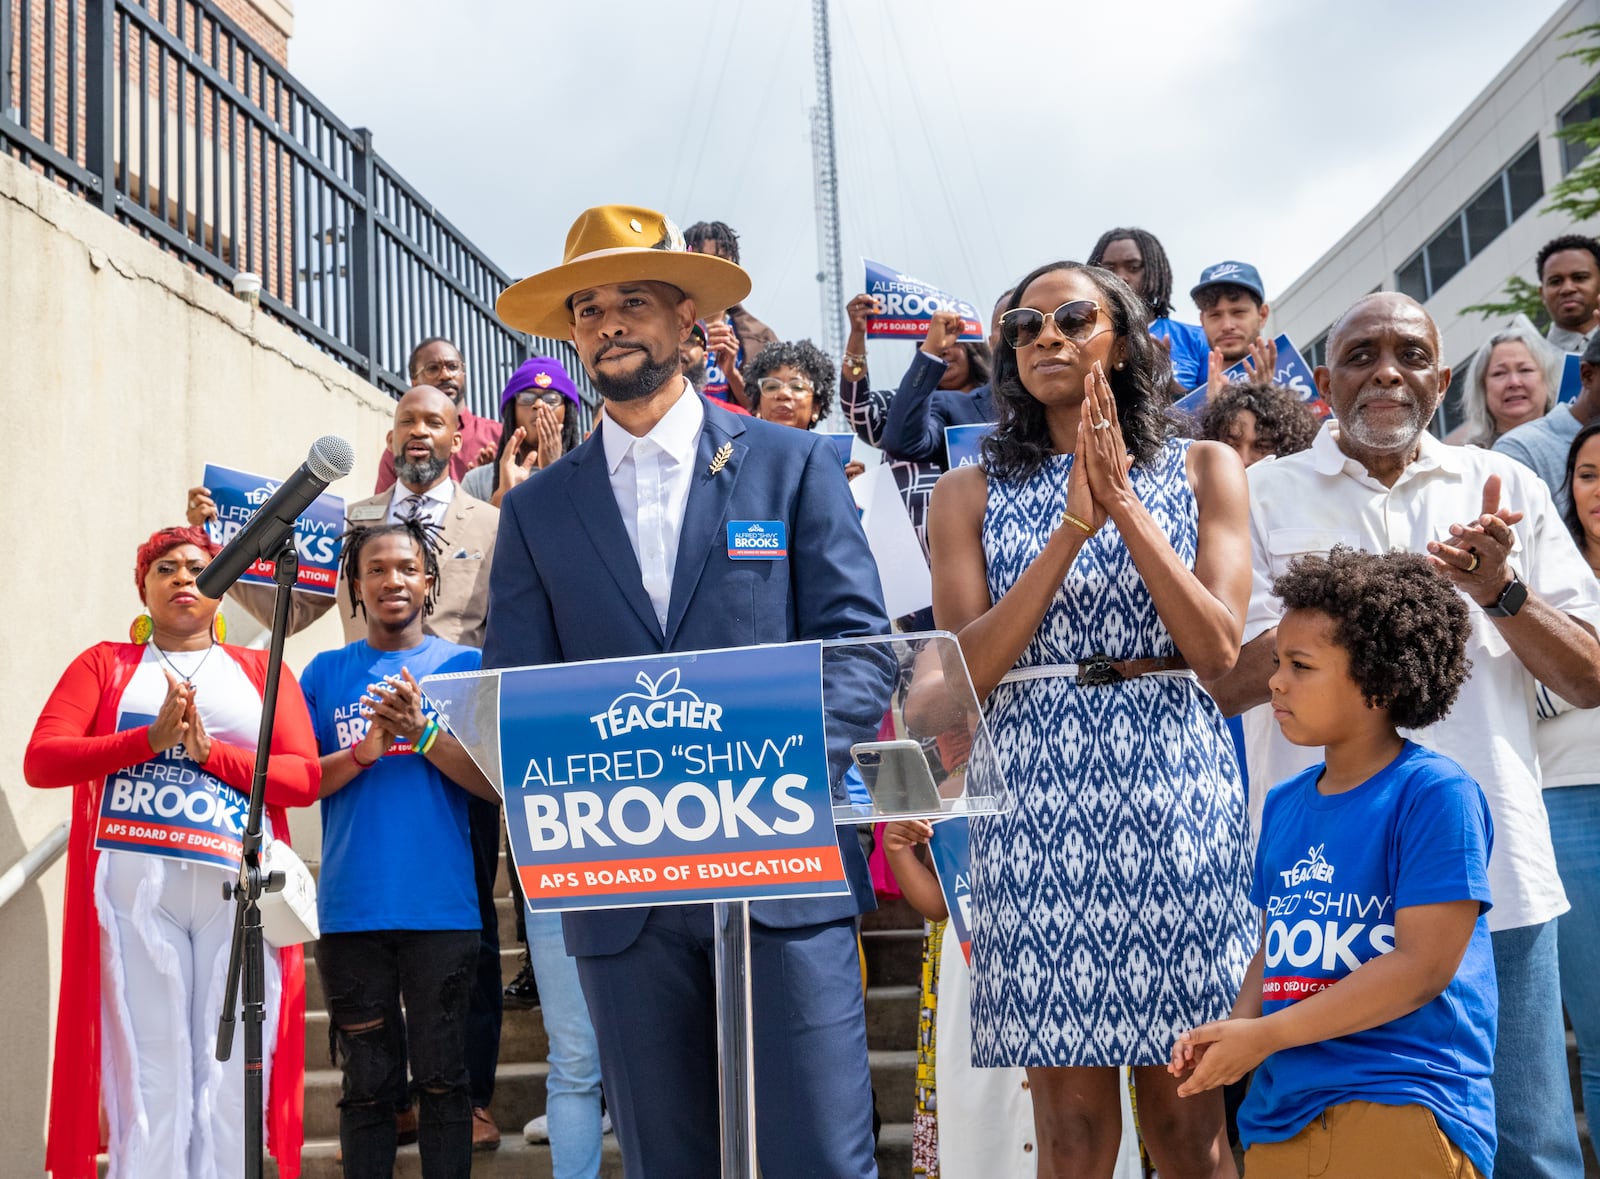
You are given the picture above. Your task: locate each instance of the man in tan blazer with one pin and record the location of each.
(426, 434)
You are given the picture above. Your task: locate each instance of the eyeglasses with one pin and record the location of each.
(771, 387)
(442, 368)
(529, 399)
(1021, 326)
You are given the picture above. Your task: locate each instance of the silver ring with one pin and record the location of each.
(1103, 424)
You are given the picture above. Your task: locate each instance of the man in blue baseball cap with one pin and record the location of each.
(1233, 313)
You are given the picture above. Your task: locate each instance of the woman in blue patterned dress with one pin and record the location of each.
(1096, 572)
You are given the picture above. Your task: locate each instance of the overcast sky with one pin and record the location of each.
(975, 141)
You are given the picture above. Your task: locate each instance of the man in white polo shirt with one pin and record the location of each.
(1376, 480)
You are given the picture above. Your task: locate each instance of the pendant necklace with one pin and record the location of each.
(188, 679)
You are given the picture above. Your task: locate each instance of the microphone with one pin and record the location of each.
(331, 458)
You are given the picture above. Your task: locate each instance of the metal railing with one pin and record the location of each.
(34, 861)
(172, 119)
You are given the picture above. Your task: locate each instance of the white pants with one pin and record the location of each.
(986, 1114)
(172, 1108)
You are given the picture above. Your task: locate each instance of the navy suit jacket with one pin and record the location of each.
(566, 586)
(921, 410)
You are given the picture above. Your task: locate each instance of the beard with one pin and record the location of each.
(651, 375)
(1383, 439)
(419, 474)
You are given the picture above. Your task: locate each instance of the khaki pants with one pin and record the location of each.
(1361, 1140)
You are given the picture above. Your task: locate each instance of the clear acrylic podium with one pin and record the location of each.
(905, 739)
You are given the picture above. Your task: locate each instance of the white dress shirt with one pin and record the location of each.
(1309, 502)
(650, 477)
(433, 503)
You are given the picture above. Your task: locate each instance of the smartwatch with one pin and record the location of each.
(1510, 600)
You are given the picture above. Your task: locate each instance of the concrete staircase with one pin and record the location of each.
(892, 939)
(893, 943)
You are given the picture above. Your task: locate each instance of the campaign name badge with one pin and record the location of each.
(168, 806)
(757, 540)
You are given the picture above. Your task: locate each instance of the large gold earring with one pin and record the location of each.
(140, 631)
(219, 628)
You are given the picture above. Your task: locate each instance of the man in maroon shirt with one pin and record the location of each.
(437, 362)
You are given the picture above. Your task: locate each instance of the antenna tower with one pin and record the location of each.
(830, 269)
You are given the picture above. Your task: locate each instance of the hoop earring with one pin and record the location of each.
(219, 628)
(140, 630)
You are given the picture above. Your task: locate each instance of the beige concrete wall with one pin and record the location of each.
(126, 372)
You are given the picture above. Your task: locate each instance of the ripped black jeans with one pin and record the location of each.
(365, 976)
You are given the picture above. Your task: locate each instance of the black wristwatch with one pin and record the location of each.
(1510, 600)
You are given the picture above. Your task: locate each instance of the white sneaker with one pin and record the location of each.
(538, 1130)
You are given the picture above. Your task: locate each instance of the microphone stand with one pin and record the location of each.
(247, 968)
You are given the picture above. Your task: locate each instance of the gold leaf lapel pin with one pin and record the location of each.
(720, 459)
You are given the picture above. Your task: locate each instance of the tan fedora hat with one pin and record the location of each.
(618, 243)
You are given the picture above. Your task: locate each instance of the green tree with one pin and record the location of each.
(1517, 297)
(1577, 194)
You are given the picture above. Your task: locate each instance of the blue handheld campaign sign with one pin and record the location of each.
(963, 445)
(1293, 372)
(1571, 379)
(670, 779)
(842, 443)
(909, 304)
(170, 807)
(238, 494)
(951, 847)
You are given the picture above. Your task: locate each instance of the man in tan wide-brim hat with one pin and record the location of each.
(621, 548)
(614, 244)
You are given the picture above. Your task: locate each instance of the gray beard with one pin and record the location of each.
(423, 474)
(645, 380)
(1383, 441)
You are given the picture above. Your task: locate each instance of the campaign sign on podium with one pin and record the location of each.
(669, 778)
(711, 775)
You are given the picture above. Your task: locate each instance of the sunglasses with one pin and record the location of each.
(1021, 326)
(527, 400)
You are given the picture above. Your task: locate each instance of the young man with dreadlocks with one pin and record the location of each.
(397, 898)
(733, 335)
(1138, 259)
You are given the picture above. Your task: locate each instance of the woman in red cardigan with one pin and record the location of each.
(157, 739)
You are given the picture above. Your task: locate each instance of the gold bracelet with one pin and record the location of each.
(1068, 518)
(857, 362)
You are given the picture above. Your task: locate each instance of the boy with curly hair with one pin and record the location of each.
(1370, 1004)
(1260, 419)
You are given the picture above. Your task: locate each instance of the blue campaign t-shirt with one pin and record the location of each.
(1189, 350)
(1331, 870)
(396, 853)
